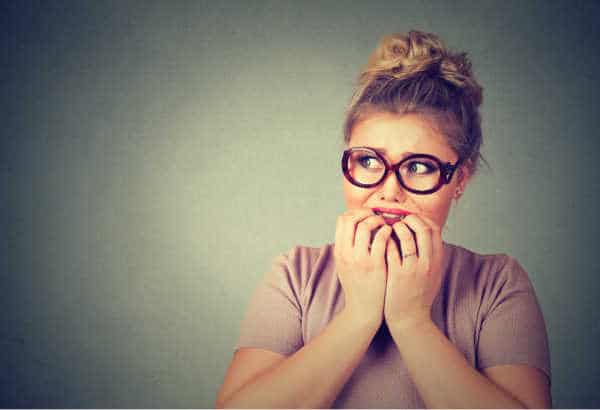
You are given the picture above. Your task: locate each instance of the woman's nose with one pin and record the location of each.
(391, 189)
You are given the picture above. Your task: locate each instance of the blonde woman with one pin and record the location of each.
(390, 315)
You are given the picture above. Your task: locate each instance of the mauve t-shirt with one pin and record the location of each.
(486, 307)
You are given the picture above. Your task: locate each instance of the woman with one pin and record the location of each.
(390, 315)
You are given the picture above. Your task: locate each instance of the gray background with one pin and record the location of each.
(156, 156)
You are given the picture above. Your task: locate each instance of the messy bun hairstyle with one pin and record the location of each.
(416, 73)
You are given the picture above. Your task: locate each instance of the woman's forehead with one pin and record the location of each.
(395, 135)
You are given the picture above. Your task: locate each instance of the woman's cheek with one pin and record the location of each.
(348, 195)
(437, 207)
(355, 197)
(439, 216)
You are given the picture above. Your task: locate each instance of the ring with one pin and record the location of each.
(409, 254)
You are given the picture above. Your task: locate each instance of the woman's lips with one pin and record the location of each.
(391, 216)
(395, 211)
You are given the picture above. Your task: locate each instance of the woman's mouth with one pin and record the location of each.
(391, 216)
(392, 220)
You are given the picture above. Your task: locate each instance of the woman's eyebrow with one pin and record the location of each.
(382, 150)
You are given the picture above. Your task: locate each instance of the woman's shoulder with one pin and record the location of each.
(302, 266)
(460, 255)
(484, 270)
(308, 252)
(304, 258)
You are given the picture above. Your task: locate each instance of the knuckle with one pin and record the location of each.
(347, 217)
(374, 221)
(363, 226)
(355, 219)
(384, 231)
(401, 229)
(366, 225)
(366, 221)
(404, 237)
(356, 212)
(380, 237)
(410, 217)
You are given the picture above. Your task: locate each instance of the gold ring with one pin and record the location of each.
(409, 254)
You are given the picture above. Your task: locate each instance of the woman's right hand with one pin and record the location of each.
(360, 263)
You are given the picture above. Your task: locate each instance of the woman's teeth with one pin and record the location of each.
(388, 215)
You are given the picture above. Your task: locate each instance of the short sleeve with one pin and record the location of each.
(273, 319)
(513, 330)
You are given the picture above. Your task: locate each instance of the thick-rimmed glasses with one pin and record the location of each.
(417, 173)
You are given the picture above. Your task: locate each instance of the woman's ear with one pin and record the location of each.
(462, 177)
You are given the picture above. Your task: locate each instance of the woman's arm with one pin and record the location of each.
(441, 373)
(314, 375)
(310, 378)
(444, 378)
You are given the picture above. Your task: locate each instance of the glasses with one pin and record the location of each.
(418, 173)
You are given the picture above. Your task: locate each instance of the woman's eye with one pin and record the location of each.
(416, 167)
(369, 162)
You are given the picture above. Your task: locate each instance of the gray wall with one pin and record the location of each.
(156, 156)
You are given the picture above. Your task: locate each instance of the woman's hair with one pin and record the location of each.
(416, 73)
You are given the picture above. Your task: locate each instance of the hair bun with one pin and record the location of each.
(405, 56)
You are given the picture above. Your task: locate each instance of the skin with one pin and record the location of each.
(408, 296)
(397, 135)
(379, 284)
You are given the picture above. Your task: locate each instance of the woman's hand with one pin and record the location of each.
(414, 272)
(360, 264)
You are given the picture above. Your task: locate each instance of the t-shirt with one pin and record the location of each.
(486, 307)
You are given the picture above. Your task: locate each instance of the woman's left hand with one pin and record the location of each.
(414, 273)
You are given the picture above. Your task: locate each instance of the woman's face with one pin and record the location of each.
(395, 137)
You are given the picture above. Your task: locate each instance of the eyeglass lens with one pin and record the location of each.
(418, 173)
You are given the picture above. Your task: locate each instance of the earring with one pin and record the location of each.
(458, 193)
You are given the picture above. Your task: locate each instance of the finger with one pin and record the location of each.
(346, 226)
(378, 248)
(436, 237)
(362, 240)
(392, 254)
(408, 247)
(423, 237)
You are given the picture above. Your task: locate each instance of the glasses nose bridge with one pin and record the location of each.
(392, 171)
